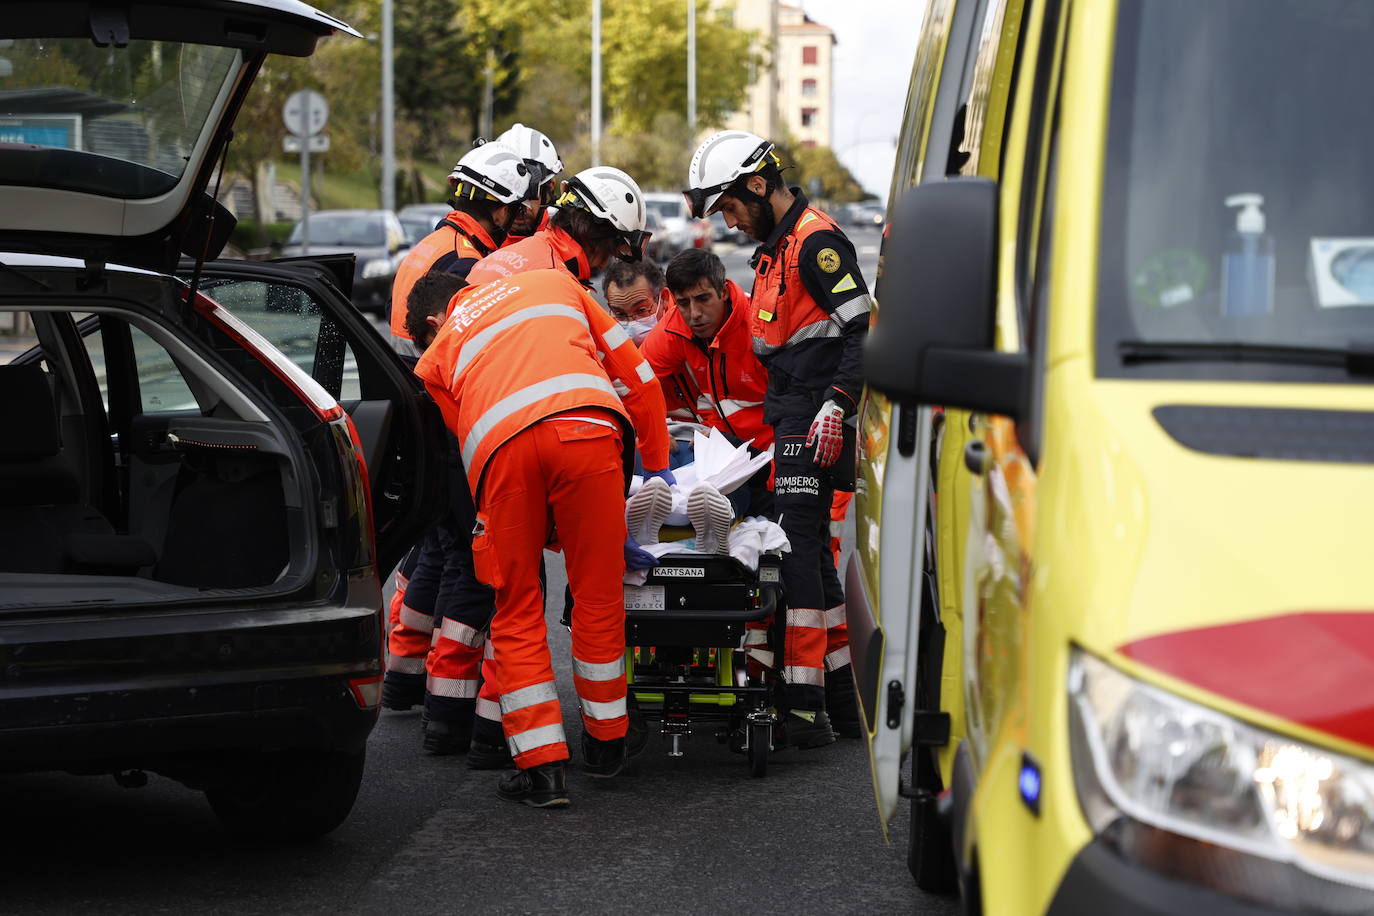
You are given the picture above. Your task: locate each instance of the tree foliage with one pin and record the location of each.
(820, 164)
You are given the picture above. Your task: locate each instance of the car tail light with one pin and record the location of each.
(367, 691)
(321, 402)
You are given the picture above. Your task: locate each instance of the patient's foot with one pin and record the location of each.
(710, 514)
(646, 510)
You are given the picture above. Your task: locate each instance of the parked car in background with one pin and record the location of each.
(374, 237)
(658, 248)
(867, 215)
(677, 221)
(193, 532)
(419, 220)
(720, 232)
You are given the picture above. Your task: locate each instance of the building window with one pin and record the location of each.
(808, 117)
(809, 54)
(808, 88)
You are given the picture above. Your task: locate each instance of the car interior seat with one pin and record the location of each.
(44, 526)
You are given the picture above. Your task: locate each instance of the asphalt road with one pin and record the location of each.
(690, 834)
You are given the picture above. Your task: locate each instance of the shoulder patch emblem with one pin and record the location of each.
(845, 285)
(828, 260)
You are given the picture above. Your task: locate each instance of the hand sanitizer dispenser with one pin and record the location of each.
(1247, 265)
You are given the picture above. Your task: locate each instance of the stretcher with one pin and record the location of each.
(683, 629)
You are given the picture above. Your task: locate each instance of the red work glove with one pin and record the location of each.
(827, 434)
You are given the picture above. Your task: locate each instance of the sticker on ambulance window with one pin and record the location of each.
(768, 574)
(644, 598)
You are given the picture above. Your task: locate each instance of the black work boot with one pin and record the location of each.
(402, 691)
(448, 724)
(805, 732)
(488, 750)
(842, 703)
(544, 786)
(602, 759)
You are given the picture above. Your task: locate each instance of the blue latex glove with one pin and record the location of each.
(666, 474)
(636, 557)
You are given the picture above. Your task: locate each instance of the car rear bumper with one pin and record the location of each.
(1100, 881)
(146, 691)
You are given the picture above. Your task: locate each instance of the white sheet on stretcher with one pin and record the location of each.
(749, 540)
(715, 461)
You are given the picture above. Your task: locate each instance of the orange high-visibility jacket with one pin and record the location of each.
(454, 246)
(723, 382)
(547, 248)
(516, 351)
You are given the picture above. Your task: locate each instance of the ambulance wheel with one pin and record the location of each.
(760, 737)
(289, 796)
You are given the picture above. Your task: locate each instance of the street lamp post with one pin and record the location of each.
(388, 113)
(692, 66)
(596, 82)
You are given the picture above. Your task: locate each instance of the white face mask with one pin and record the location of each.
(639, 328)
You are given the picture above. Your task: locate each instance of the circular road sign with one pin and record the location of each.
(305, 113)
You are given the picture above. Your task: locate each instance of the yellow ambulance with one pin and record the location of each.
(1112, 598)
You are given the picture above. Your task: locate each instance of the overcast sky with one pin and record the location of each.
(876, 45)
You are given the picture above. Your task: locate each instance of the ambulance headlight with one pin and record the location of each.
(377, 267)
(1205, 798)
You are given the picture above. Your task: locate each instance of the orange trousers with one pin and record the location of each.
(562, 474)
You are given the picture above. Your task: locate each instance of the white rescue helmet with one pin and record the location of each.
(612, 195)
(492, 171)
(538, 151)
(719, 162)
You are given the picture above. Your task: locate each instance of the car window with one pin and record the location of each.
(16, 335)
(293, 322)
(344, 229)
(161, 386)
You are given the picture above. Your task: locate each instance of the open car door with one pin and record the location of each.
(298, 308)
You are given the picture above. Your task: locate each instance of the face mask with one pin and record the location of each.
(639, 328)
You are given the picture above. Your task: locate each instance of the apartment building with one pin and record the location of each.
(793, 89)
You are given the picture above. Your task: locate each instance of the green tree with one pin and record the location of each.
(837, 184)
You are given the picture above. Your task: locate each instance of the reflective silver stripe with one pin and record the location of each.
(852, 309)
(603, 671)
(535, 738)
(835, 617)
(731, 406)
(530, 394)
(597, 420)
(483, 337)
(403, 665)
(762, 656)
(837, 529)
(761, 347)
(704, 403)
(816, 329)
(645, 372)
(489, 709)
(755, 637)
(593, 709)
(837, 659)
(488, 651)
(415, 620)
(815, 677)
(621, 389)
(434, 637)
(615, 337)
(532, 695)
(805, 617)
(402, 580)
(452, 687)
(461, 632)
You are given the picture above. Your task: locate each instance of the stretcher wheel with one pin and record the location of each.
(760, 737)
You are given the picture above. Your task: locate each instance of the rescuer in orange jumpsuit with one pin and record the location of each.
(524, 371)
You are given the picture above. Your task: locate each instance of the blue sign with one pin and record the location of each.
(56, 132)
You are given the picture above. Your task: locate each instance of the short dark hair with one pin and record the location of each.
(430, 295)
(688, 267)
(623, 273)
(591, 232)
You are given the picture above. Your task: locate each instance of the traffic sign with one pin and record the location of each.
(305, 113)
(318, 143)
